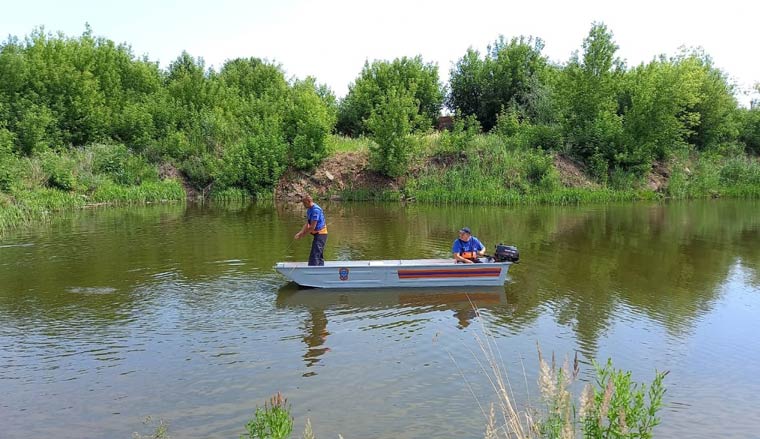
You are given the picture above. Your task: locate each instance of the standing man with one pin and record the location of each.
(467, 248)
(315, 225)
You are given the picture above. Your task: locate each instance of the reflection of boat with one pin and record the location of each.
(291, 295)
(395, 273)
(464, 302)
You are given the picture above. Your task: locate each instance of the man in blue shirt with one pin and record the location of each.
(467, 249)
(316, 226)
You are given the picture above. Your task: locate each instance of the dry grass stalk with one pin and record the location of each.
(491, 426)
(307, 431)
(606, 403)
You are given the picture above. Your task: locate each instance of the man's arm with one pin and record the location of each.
(482, 250)
(307, 228)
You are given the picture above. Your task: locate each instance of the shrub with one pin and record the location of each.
(390, 124)
(507, 124)
(271, 422)
(197, 170)
(257, 162)
(621, 179)
(464, 130)
(59, 170)
(121, 165)
(540, 171)
(547, 137)
(750, 130)
(308, 122)
(9, 169)
(740, 170)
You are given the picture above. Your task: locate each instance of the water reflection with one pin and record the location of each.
(463, 304)
(123, 298)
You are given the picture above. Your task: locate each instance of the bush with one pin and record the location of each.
(121, 165)
(599, 167)
(34, 130)
(546, 137)
(507, 124)
(621, 179)
(740, 171)
(197, 170)
(750, 130)
(464, 130)
(271, 422)
(390, 124)
(59, 170)
(308, 123)
(256, 163)
(540, 171)
(9, 169)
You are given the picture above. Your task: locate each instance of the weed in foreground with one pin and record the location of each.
(612, 406)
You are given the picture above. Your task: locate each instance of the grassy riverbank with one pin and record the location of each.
(37, 187)
(477, 169)
(494, 169)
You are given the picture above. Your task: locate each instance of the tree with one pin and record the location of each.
(255, 78)
(375, 83)
(654, 101)
(390, 126)
(511, 75)
(587, 91)
(309, 120)
(716, 104)
(750, 129)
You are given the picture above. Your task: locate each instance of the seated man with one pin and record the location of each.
(467, 249)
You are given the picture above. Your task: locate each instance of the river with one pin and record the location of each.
(108, 316)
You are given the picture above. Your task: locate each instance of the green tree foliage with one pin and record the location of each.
(750, 129)
(716, 104)
(511, 75)
(390, 126)
(656, 122)
(378, 80)
(587, 91)
(239, 127)
(309, 120)
(69, 91)
(254, 78)
(8, 168)
(257, 160)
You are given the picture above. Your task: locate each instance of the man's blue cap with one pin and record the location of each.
(465, 230)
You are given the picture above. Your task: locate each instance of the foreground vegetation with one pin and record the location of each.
(83, 121)
(611, 406)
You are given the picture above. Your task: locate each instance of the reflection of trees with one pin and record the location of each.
(665, 261)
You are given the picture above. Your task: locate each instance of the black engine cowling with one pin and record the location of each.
(506, 253)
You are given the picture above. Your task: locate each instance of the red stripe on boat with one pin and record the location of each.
(449, 273)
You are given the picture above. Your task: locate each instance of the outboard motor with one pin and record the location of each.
(506, 253)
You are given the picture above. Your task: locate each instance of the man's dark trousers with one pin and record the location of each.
(317, 250)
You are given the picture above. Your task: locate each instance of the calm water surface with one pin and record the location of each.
(174, 312)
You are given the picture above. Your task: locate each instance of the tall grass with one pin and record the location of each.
(711, 175)
(27, 207)
(611, 406)
(340, 144)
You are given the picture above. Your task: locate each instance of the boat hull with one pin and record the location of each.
(394, 273)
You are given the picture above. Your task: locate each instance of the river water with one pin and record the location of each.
(108, 316)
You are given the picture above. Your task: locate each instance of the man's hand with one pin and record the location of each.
(299, 235)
